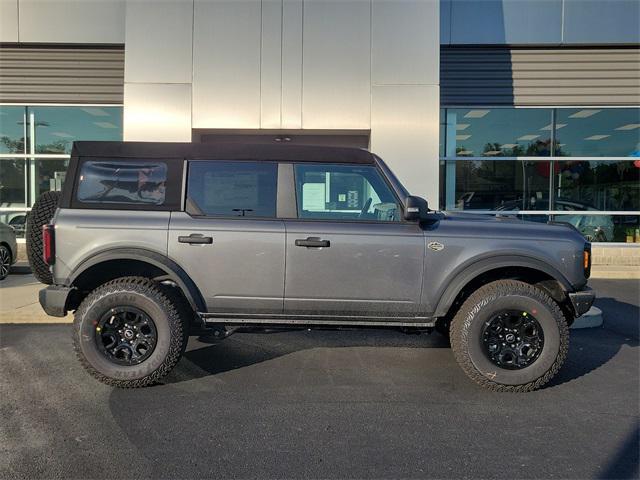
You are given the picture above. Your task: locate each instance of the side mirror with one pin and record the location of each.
(415, 209)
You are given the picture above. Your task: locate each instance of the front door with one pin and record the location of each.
(349, 254)
(228, 240)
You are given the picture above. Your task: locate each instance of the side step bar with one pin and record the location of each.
(342, 322)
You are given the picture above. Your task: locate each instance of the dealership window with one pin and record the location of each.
(35, 143)
(526, 161)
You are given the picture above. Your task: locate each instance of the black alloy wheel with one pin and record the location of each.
(512, 339)
(126, 335)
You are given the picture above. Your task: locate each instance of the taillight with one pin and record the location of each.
(48, 244)
(586, 260)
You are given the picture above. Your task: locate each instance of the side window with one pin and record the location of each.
(232, 189)
(122, 182)
(344, 192)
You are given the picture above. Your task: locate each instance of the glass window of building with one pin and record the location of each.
(599, 196)
(594, 132)
(35, 143)
(498, 132)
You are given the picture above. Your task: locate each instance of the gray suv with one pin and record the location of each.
(151, 242)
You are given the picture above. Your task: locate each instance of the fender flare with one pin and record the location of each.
(174, 271)
(460, 279)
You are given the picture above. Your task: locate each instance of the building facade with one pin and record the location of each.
(519, 107)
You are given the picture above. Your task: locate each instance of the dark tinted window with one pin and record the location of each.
(232, 189)
(124, 182)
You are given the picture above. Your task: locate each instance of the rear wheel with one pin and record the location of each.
(129, 332)
(510, 336)
(41, 214)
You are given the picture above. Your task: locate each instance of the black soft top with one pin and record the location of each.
(222, 151)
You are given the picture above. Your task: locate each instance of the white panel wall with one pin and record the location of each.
(158, 70)
(336, 85)
(292, 63)
(404, 43)
(72, 21)
(271, 64)
(158, 41)
(404, 132)
(8, 20)
(156, 112)
(226, 70)
(405, 97)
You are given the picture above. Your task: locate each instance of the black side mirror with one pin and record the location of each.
(415, 209)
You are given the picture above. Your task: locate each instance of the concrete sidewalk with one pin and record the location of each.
(19, 299)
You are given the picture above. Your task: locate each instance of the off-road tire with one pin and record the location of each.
(158, 302)
(41, 214)
(479, 307)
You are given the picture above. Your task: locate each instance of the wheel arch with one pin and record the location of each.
(515, 267)
(114, 263)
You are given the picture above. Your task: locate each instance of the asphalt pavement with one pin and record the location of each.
(330, 404)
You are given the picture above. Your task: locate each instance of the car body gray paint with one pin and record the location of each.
(472, 244)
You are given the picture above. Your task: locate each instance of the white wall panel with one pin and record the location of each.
(405, 46)
(292, 63)
(226, 56)
(72, 21)
(404, 132)
(8, 20)
(271, 64)
(337, 64)
(155, 112)
(158, 41)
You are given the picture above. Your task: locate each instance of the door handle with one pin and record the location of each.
(195, 239)
(310, 242)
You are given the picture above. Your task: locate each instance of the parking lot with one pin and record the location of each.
(338, 404)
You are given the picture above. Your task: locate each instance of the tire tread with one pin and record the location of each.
(147, 287)
(479, 299)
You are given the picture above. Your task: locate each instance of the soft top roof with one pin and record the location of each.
(222, 151)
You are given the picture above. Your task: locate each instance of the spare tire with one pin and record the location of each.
(41, 214)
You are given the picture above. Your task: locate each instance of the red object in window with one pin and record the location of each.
(636, 163)
(48, 244)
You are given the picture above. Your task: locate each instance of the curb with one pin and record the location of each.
(592, 319)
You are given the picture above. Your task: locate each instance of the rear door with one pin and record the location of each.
(228, 238)
(349, 254)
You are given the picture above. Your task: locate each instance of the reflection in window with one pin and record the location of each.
(232, 189)
(344, 192)
(597, 185)
(56, 128)
(506, 185)
(593, 132)
(127, 182)
(605, 228)
(498, 132)
(12, 129)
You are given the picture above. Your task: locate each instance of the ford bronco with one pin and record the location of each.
(151, 242)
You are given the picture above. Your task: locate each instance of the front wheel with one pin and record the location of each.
(510, 336)
(129, 332)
